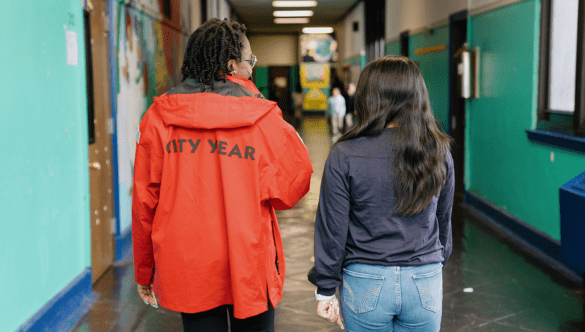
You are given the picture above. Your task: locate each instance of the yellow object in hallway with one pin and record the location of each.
(430, 49)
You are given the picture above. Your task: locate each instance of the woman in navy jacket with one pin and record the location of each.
(383, 224)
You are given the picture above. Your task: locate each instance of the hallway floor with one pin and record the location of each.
(488, 284)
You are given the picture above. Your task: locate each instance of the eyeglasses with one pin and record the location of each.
(252, 60)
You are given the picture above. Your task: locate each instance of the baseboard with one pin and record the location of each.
(66, 308)
(123, 244)
(533, 241)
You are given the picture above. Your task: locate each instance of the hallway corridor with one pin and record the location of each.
(488, 284)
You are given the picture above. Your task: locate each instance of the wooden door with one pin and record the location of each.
(100, 148)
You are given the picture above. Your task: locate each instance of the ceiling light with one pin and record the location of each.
(294, 3)
(291, 20)
(292, 13)
(317, 30)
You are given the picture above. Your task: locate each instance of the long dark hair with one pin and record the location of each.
(391, 90)
(209, 49)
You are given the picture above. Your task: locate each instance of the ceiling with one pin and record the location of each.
(258, 18)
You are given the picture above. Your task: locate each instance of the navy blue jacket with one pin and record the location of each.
(355, 220)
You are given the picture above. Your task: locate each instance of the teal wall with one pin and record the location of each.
(435, 70)
(504, 167)
(358, 60)
(392, 48)
(44, 186)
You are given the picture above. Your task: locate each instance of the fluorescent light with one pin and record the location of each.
(294, 3)
(291, 20)
(292, 13)
(317, 30)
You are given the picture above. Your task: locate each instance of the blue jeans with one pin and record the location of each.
(392, 298)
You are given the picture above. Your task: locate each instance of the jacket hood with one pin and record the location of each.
(231, 104)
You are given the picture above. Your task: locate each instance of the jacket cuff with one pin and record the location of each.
(142, 276)
(143, 281)
(325, 291)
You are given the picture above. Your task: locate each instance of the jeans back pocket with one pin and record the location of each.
(430, 288)
(361, 291)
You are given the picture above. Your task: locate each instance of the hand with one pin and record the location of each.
(329, 309)
(147, 295)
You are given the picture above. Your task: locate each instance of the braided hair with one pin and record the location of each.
(209, 49)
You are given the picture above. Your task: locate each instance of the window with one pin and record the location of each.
(563, 53)
(561, 108)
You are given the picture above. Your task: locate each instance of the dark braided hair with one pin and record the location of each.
(209, 49)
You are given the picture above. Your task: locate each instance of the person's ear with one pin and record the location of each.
(230, 66)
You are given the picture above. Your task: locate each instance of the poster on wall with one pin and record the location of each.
(318, 48)
(315, 80)
(317, 52)
(150, 6)
(146, 66)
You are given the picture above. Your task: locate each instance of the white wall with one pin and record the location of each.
(352, 43)
(195, 14)
(275, 49)
(218, 9)
(414, 15)
(340, 32)
(224, 10)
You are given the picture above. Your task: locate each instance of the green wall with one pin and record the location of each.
(434, 67)
(261, 80)
(44, 187)
(504, 167)
(392, 48)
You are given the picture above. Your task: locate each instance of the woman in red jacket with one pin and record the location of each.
(213, 161)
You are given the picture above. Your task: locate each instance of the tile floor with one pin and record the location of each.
(511, 291)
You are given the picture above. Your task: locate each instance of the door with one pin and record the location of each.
(458, 32)
(100, 129)
(280, 91)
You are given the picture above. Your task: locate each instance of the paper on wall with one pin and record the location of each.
(72, 47)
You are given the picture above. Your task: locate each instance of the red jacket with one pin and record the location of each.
(210, 169)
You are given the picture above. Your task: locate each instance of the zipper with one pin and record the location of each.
(275, 249)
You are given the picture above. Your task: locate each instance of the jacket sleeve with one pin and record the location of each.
(290, 173)
(444, 210)
(146, 190)
(331, 226)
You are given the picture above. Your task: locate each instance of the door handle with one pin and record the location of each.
(95, 165)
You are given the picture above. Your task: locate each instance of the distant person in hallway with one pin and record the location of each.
(298, 99)
(213, 162)
(383, 223)
(349, 109)
(336, 113)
